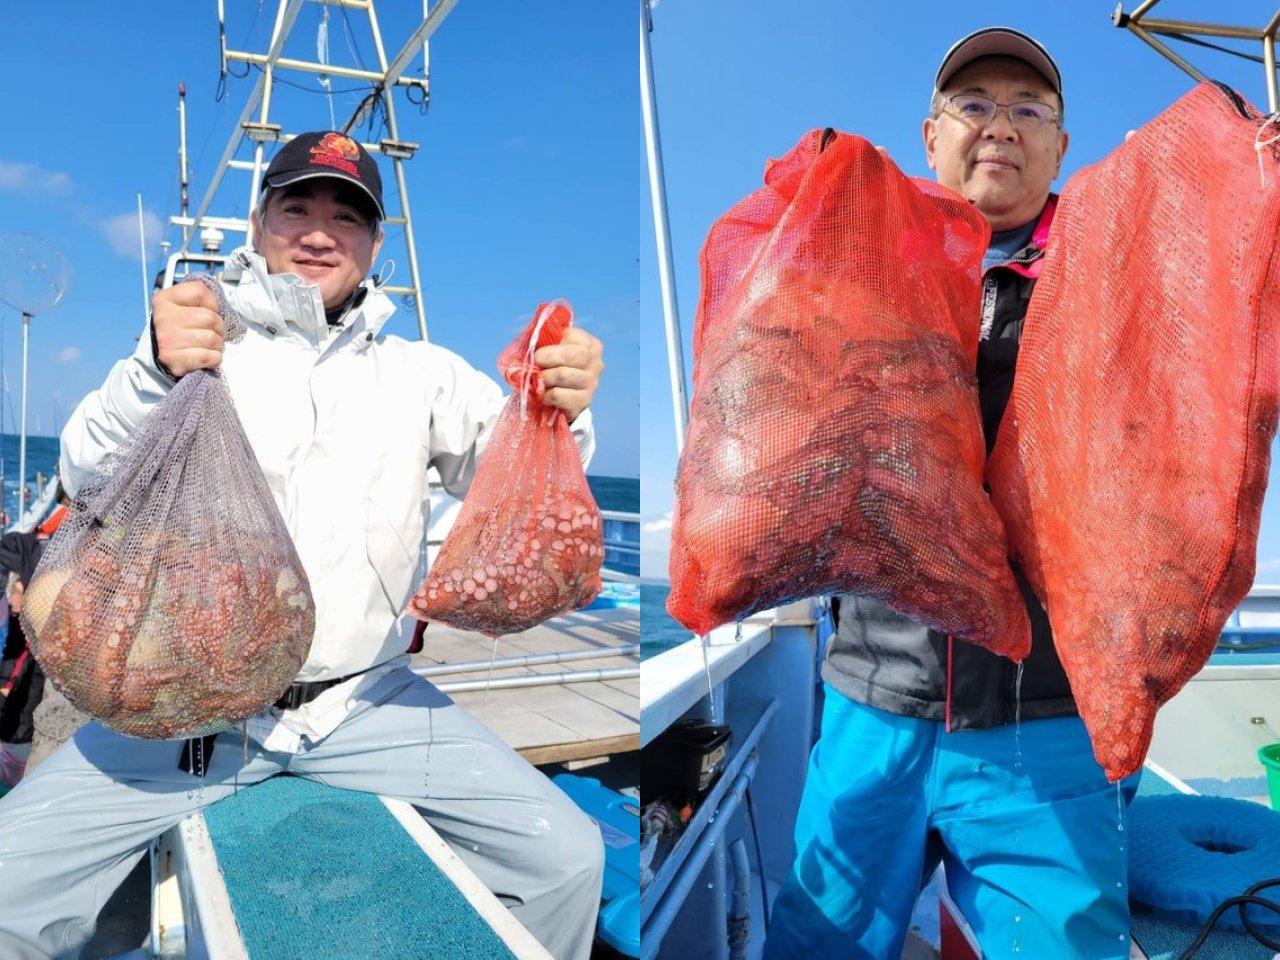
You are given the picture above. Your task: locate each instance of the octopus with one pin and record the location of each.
(165, 640)
(529, 541)
(835, 446)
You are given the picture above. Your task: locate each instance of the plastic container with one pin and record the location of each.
(1270, 757)
(684, 762)
(618, 818)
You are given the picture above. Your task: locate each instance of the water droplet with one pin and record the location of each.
(1017, 918)
(1122, 938)
(475, 848)
(711, 886)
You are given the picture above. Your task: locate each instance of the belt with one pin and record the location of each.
(300, 693)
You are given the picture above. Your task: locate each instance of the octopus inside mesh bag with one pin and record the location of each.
(528, 542)
(835, 442)
(171, 603)
(1134, 455)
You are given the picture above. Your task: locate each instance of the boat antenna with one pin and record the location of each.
(662, 229)
(182, 161)
(142, 250)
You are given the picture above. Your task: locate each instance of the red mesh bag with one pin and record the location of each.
(528, 542)
(171, 601)
(1133, 456)
(835, 442)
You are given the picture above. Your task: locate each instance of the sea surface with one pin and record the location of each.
(616, 493)
(611, 493)
(658, 631)
(42, 461)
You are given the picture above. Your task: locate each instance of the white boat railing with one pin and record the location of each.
(760, 680)
(40, 506)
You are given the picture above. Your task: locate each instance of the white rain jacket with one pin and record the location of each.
(345, 423)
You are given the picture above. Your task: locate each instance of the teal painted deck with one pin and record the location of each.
(313, 871)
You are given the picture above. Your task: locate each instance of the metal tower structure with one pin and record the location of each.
(257, 127)
(1205, 35)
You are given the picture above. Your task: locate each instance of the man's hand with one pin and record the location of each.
(188, 330)
(571, 370)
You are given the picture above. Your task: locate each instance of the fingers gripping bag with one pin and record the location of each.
(1132, 460)
(835, 442)
(171, 602)
(528, 541)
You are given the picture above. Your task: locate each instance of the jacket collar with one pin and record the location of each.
(275, 302)
(1029, 261)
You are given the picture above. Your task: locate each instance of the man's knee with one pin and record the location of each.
(579, 847)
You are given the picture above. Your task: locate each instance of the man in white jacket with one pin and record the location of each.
(345, 422)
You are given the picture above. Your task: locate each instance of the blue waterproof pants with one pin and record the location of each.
(1024, 821)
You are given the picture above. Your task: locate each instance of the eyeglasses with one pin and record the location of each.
(1025, 115)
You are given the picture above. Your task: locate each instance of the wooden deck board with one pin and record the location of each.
(552, 723)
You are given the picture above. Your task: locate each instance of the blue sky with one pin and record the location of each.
(523, 188)
(867, 68)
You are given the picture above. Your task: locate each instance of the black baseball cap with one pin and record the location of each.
(326, 153)
(998, 42)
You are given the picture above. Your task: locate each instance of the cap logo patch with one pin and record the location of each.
(335, 150)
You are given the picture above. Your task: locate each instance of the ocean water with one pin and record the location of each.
(616, 493)
(658, 631)
(42, 460)
(611, 493)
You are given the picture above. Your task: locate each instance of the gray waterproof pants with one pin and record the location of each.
(72, 831)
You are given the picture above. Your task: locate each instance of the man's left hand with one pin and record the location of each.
(571, 371)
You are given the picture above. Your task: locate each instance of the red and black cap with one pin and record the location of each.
(326, 153)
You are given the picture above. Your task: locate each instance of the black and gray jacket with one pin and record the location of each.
(881, 658)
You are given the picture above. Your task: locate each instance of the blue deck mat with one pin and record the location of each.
(313, 871)
(1167, 939)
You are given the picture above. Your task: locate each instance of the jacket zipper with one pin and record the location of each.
(950, 650)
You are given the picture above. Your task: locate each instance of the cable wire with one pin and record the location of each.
(764, 886)
(1248, 898)
(1214, 46)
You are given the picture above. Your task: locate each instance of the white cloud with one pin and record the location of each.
(661, 523)
(68, 355)
(26, 178)
(121, 232)
(655, 546)
(1270, 565)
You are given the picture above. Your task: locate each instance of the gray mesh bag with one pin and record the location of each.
(171, 602)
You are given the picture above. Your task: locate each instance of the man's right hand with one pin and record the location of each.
(188, 330)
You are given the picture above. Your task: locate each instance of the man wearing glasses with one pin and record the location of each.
(938, 752)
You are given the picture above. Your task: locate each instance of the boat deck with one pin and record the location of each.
(557, 722)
